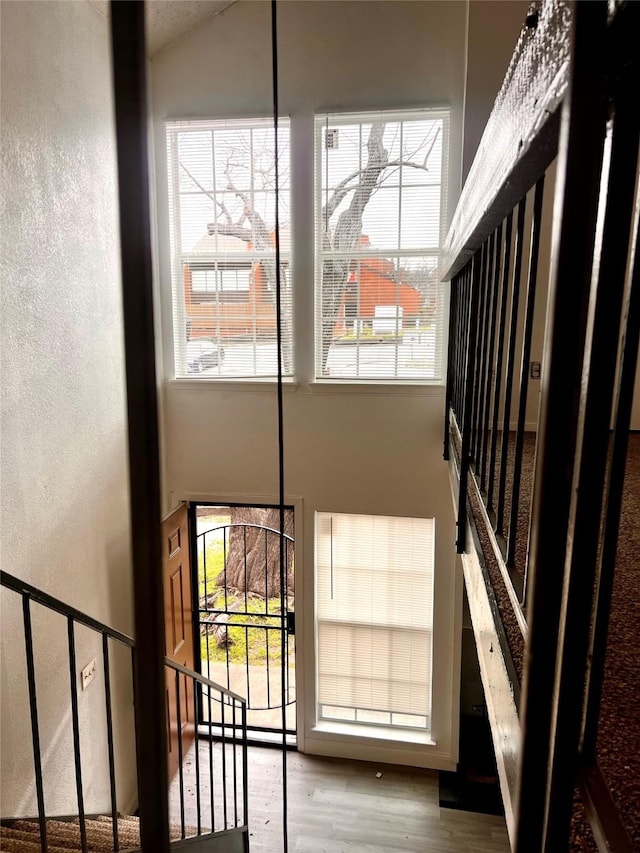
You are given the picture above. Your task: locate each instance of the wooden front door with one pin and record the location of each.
(176, 582)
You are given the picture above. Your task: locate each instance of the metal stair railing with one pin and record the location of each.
(229, 813)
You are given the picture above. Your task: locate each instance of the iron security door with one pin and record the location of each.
(246, 614)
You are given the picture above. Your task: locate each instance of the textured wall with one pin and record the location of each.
(64, 497)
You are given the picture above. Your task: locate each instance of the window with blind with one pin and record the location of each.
(381, 186)
(374, 612)
(222, 225)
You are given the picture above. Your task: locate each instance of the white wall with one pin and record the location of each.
(494, 27)
(64, 492)
(348, 448)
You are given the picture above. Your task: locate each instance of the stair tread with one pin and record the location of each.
(65, 835)
(23, 836)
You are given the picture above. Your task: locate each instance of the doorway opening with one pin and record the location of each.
(244, 616)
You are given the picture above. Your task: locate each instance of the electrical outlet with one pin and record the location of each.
(88, 673)
(534, 370)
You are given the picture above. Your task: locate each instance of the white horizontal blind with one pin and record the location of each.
(374, 605)
(222, 217)
(381, 189)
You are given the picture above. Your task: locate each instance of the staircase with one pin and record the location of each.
(220, 816)
(23, 836)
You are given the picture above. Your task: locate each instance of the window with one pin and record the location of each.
(374, 601)
(222, 220)
(381, 184)
(226, 280)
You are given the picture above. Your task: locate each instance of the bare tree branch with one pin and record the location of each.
(343, 188)
(211, 195)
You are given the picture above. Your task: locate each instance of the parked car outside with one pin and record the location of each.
(203, 355)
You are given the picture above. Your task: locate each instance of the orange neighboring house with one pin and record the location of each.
(237, 301)
(373, 283)
(230, 298)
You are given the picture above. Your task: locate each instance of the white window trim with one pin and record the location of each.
(177, 258)
(337, 119)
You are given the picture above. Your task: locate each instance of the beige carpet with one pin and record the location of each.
(23, 836)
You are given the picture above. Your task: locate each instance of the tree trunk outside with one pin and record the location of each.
(262, 569)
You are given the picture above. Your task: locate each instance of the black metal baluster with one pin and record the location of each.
(477, 319)
(211, 776)
(464, 340)
(493, 276)
(197, 756)
(246, 599)
(462, 304)
(208, 637)
(450, 366)
(73, 683)
(266, 643)
(466, 402)
(499, 358)
(524, 370)
(245, 765)
(224, 763)
(204, 565)
(285, 645)
(224, 557)
(246, 645)
(487, 281)
(457, 286)
(623, 405)
(226, 605)
(466, 428)
(453, 348)
(453, 352)
(508, 388)
(109, 715)
(235, 765)
(33, 709)
(180, 768)
(266, 572)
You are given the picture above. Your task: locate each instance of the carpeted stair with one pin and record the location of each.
(23, 836)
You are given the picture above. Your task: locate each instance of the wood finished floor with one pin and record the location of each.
(340, 806)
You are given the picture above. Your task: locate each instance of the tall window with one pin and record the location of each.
(374, 603)
(222, 216)
(381, 184)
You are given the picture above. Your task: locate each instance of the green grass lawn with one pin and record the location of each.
(245, 640)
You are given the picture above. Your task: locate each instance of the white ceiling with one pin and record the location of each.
(170, 20)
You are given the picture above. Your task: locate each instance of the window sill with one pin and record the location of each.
(219, 383)
(423, 388)
(321, 386)
(373, 733)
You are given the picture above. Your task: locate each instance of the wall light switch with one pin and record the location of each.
(535, 370)
(88, 673)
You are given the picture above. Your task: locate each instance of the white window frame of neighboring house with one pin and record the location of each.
(421, 349)
(243, 326)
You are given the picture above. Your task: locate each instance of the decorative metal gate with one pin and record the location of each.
(246, 622)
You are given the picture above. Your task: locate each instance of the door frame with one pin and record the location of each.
(294, 502)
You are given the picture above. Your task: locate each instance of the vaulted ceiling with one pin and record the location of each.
(170, 20)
